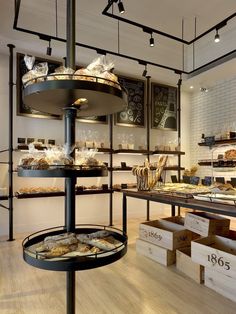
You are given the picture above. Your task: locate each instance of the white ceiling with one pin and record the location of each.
(97, 30)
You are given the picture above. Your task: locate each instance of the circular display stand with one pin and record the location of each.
(73, 263)
(76, 172)
(52, 96)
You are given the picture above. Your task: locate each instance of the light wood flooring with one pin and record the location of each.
(133, 285)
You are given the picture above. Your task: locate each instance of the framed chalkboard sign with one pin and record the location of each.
(94, 119)
(22, 109)
(164, 107)
(134, 115)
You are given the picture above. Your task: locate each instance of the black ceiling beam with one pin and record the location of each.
(152, 30)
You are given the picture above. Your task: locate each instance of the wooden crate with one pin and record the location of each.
(217, 253)
(175, 219)
(225, 285)
(185, 264)
(155, 252)
(165, 234)
(207, 224)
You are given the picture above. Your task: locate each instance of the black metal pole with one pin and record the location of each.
(70, 34)
(70, 116)
(124, 208)
(70, 297)
(179, 129)
(179, 124)
(172, 210)
(111, 171)
(148, 132)
(10, 155)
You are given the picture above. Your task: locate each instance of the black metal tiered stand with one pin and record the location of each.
(100, 100)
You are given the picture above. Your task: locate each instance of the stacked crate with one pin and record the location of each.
(200, 245)
(159, 239)
(203, 224)
(217, 253)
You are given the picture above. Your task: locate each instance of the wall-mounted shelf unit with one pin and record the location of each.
(167, 152)
(222, 141)
(218, 163)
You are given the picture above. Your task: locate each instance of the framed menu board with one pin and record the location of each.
(94, 119)
(164, 107)
(22, 109)
(134, 115)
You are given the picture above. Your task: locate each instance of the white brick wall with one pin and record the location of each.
(211, 113)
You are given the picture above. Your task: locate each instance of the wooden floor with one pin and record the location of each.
(133, 285)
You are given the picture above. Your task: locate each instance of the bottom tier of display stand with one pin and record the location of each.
(65, 263)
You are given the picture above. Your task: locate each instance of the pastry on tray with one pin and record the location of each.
(71, 245)
(230, 154)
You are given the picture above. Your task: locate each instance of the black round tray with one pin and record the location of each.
(73, 263)
(52, 96)
(64, 172)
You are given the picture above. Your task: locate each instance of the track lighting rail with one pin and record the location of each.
(144, 28)
(153, 30)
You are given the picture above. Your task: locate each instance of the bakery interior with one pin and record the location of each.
(117, 156)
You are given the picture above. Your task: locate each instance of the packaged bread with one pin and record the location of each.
(84, 75)
(62, 71)
(86, 158)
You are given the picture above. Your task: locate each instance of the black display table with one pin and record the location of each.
(216, 208)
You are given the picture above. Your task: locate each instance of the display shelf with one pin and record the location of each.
(99, 149)
(120, 168)
(52, 96)
(167, 152)
(60, 193)
(217, 163)
(25, 148)
(73, 263)
(64, 172)
(3, 198)
(97, 191)
(38, 195)
(174, 168)
(222, 141)
(132, 151)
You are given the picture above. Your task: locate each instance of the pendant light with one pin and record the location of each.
(217, 37)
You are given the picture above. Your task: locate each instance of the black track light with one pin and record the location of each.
(151, 41)
(217, 36)
(121, 7)
(145, 71)
(49, 49)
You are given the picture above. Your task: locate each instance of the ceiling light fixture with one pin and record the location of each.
(217, 36)
(151, 41)
(121, 7)
(191, 87)
(204, 89)
(49, 48)
(145, 71)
